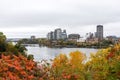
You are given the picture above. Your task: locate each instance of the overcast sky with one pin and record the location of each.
(23, 18)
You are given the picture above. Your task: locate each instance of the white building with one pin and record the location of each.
(81, 39)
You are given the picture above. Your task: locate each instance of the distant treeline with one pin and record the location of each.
(66, 43)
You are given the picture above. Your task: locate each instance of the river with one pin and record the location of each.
(46, 53)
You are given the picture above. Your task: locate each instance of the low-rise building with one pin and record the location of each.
(73, 37)
(81, 39)
(111, 38)
(114, 39)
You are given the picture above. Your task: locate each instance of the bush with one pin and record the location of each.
(104, 65)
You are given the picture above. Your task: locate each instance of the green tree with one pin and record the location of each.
(2, 42)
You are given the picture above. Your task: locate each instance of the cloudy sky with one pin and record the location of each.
(23, 18)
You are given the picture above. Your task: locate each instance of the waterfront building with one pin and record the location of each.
(99, 32)
(57, 34)
(32, 37)
(89, 37)
(95, 35)
(82, 39)
(49, 36)
(52, 35)
(74, 37)
(64, 35)
(112, 38)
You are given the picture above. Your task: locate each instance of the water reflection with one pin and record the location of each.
(49, 53)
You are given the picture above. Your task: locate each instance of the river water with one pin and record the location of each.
(46, 53)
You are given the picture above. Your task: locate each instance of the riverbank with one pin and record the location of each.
(64, 46)
(67, 43)
(74, 46)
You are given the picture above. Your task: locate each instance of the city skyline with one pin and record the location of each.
(23, 18)
(43, 35)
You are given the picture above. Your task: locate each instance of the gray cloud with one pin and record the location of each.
(61, 13)
(29, 19)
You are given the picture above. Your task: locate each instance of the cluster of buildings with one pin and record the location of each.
(97, 36)
(114, 39)
(59, 34)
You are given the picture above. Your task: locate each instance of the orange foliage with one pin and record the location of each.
(17, 68)
(103, 65)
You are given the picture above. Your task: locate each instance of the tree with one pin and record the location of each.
(2, 42)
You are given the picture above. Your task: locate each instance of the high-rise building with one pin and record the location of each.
(89, 35)
(57, 34)
(64, 35)
(95, 35)
(99, 32)
(50, 35)
(32, 37)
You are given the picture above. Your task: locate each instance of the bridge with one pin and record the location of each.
(13, 39)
